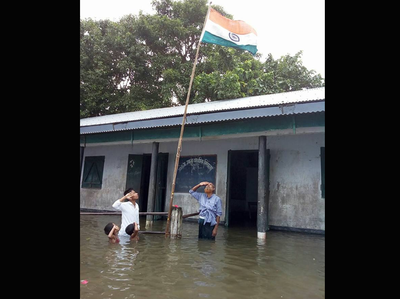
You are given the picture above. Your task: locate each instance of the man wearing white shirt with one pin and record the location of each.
(129, 208)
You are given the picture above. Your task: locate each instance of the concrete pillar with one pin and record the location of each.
(152, 184)
(262, 204)
(81, 157)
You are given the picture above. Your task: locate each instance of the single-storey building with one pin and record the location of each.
(265, 154)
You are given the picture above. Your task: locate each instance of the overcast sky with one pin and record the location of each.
(283, 26)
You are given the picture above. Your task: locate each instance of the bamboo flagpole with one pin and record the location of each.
(178, 151)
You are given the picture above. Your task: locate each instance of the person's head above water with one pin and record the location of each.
(108, 227)
(134, 195)
(130, 228)
(210, 188)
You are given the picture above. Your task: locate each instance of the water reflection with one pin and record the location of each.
(235, 265)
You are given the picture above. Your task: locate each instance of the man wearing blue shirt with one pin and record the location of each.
(210, 210)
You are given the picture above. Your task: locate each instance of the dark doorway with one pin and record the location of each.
(161, 184)
(138, 177)
(242, 188)
(144, 188)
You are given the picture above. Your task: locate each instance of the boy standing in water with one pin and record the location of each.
(129, 208)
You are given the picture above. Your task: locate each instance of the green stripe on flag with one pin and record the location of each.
(213, 39)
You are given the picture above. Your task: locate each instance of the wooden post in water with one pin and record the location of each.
(176, 223)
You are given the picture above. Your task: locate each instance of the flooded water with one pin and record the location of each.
(235, 265)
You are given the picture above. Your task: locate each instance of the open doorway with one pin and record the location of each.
(138, 178)
(144, 188)
(242, 188)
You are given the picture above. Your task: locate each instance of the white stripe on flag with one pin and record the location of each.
(245, 39)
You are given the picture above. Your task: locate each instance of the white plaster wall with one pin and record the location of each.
(115, 168)
(295, 181)
(114, 174)
(295, 175)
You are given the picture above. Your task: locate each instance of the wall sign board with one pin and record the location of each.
(193, 170)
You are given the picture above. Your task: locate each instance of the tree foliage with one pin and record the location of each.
(145, 61)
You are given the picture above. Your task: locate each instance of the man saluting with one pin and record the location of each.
(210, 210)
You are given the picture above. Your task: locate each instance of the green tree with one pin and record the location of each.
(248, 76)
(115, 72)
(98, 78)
(145, 61)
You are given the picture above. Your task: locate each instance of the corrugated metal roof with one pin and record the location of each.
(284, 109)
(110, 122)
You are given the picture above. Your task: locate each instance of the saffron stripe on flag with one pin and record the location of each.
(235, 26)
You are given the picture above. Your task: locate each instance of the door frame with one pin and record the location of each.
(228, 177)
(132, 178)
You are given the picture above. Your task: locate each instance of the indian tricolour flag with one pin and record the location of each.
(226, 32)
